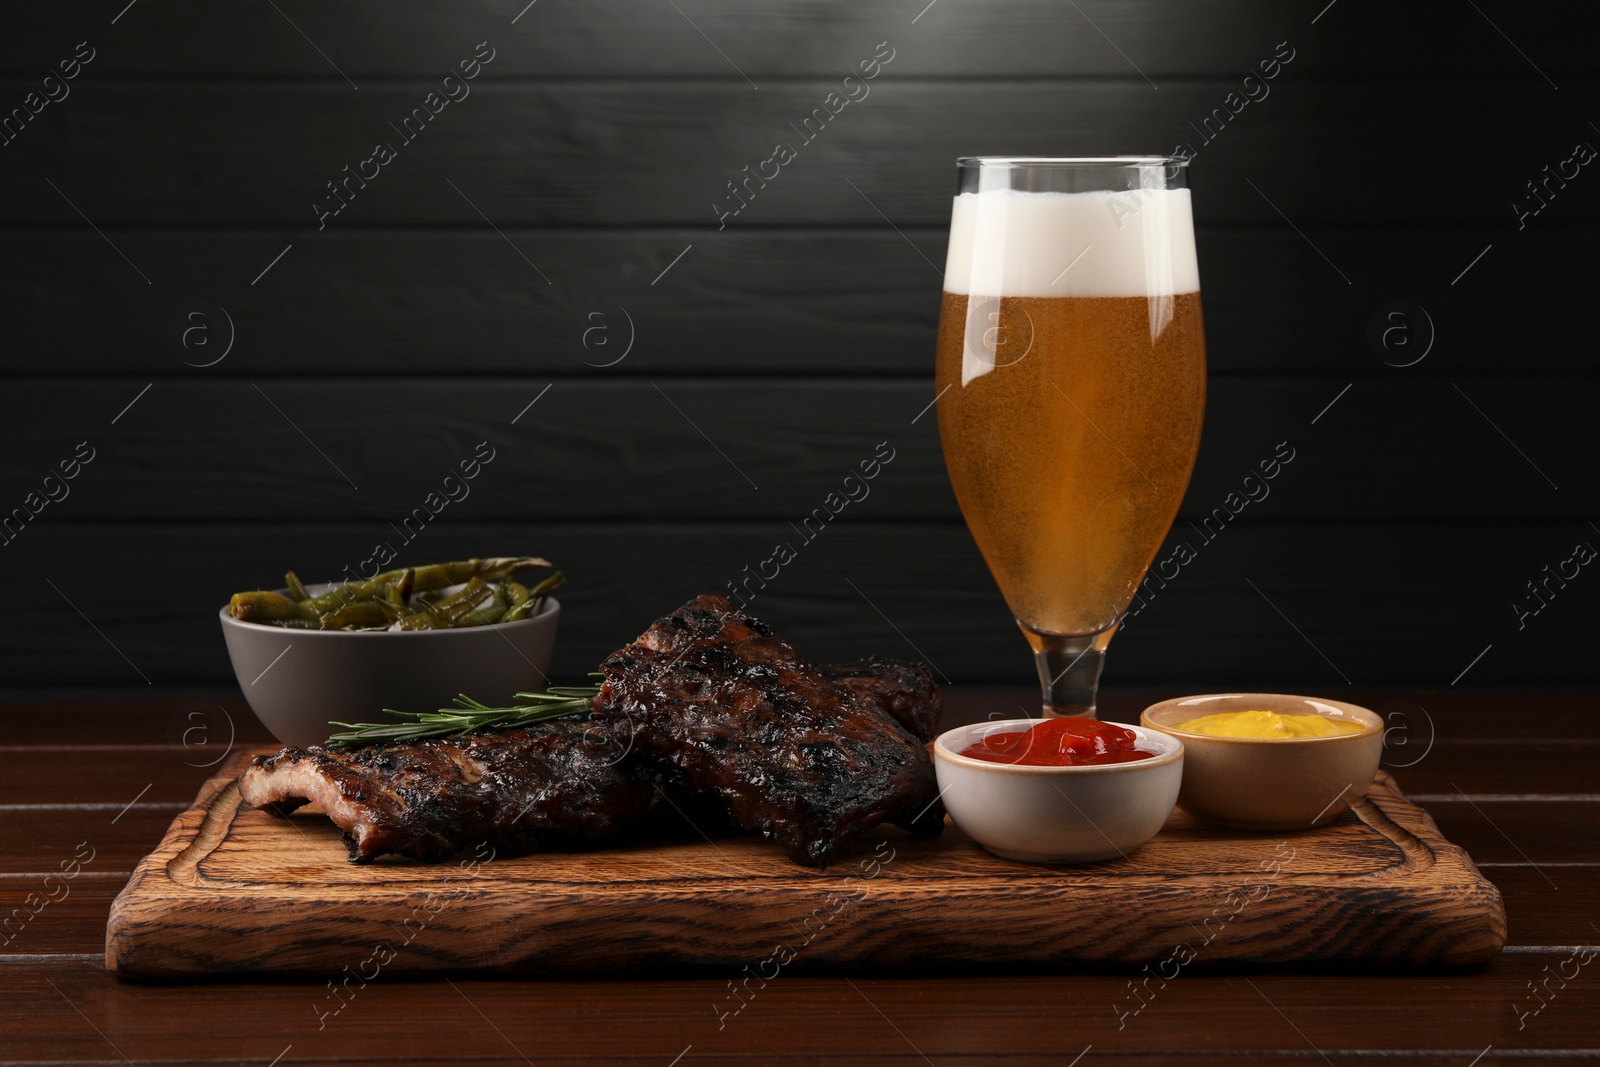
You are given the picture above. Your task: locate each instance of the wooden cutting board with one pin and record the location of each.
(231, 889)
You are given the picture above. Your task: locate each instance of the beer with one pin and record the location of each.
(1071, 383)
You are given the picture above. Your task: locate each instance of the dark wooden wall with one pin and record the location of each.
(459, 285)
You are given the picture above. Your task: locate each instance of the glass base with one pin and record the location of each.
(1069, 670)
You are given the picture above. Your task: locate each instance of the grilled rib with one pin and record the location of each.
(555, 783)
(905, 692)
(710, 694)
(825, 761)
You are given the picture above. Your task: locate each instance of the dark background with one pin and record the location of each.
(459, 285)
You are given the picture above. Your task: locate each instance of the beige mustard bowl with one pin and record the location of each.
(1253, 783)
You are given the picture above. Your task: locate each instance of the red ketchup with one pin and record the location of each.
(1064, 742)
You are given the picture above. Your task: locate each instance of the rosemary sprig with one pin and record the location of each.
(467, 715)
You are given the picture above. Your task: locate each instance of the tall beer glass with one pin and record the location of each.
(1071, 385)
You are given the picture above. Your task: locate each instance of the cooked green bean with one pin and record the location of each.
(361, 613)
(262, 605)
(484, 616)
(502, 592)
(439, 575)
(403, 619)
(443, 614)
(535, 600)
(406, 598)
(549, 585)
(433, 576)
(491, 612)
(372, 588)
(517, 596)
(463, 601)
(399, 590)
(542, 590)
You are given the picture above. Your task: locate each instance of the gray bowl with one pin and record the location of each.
(298, 681)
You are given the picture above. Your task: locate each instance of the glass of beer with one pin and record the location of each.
(1071, 389)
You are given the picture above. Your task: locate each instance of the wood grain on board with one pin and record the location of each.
(239, 890)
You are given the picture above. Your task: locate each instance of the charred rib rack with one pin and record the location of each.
(706, 706)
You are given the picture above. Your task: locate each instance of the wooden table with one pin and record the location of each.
(89, 788)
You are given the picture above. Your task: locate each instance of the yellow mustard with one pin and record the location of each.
(1268, 724)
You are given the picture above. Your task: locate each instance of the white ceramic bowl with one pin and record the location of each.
(1057, 814)
(299, 681)
(1290, 783)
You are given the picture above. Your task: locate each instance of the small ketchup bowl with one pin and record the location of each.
(1277, 784)
(1050, 814)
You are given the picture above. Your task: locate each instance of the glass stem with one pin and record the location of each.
(1069, 670)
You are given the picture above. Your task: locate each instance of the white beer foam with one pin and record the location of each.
(1139, 242)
